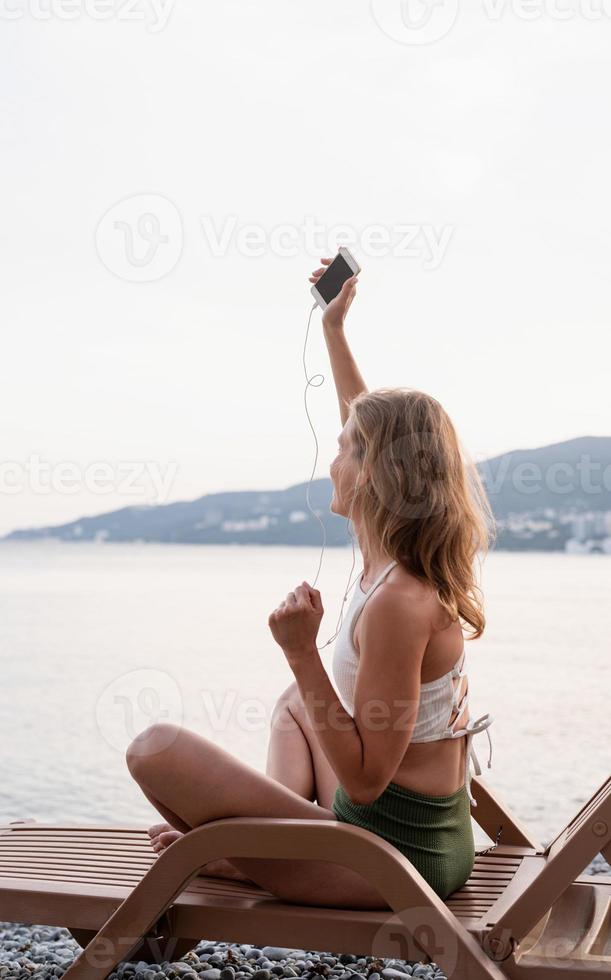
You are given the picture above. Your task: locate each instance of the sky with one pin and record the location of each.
(171, 173)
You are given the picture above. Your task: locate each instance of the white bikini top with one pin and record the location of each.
(438, 698)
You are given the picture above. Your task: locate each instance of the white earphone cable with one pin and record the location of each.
(311, 381)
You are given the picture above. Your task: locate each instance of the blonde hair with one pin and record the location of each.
(422, 499)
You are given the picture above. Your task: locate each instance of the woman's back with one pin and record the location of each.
(436, 761)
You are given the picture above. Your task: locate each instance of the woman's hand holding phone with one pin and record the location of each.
(334, 315)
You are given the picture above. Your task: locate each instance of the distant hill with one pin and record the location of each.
(572, 475)
(235, 517)
(552, 482)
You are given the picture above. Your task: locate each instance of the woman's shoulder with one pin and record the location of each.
(421, 610)
(416, 594)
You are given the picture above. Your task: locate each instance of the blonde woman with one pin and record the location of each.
(392, 753)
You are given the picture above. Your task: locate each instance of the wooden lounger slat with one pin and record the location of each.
(123, 881)
(40, 870)
(92, 854)
(492, 875)
(34, 828)
(488, 860)
(85, 850)
(467, 893)
(67, 860)
(58, 865)
(205, 885)
(141, 839)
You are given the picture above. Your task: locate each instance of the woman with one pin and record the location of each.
(386, 757)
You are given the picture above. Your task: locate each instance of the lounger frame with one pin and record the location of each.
(498, 925)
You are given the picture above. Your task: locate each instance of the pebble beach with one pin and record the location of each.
(47, 952)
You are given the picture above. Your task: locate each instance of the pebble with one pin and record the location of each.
(281, 952)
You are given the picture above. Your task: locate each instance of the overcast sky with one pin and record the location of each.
(170, 173)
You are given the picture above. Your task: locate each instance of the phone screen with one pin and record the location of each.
(334, 278)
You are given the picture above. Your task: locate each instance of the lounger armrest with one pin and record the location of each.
(491, 813)
(321, 840)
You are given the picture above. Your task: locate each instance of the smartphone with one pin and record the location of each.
(344, 266)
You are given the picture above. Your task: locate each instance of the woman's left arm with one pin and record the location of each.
(364, 750)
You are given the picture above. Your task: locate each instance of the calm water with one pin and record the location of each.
(96, 641)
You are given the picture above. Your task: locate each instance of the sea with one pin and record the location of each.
(99, 640)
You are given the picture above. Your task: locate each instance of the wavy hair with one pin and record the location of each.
(422, 499)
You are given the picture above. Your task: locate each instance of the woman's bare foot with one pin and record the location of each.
(163, 834)
(225, 869)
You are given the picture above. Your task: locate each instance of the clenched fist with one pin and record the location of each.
(295, 622)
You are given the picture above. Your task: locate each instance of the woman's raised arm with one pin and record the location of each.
(348, 379)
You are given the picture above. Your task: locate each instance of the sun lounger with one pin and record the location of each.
(525, 912)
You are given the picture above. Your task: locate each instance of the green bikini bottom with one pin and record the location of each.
(434, 832)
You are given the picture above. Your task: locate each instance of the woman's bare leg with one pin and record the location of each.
(294, 758)
(197, 781)
(294, 755)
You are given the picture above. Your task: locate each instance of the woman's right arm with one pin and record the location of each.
(348, 379)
